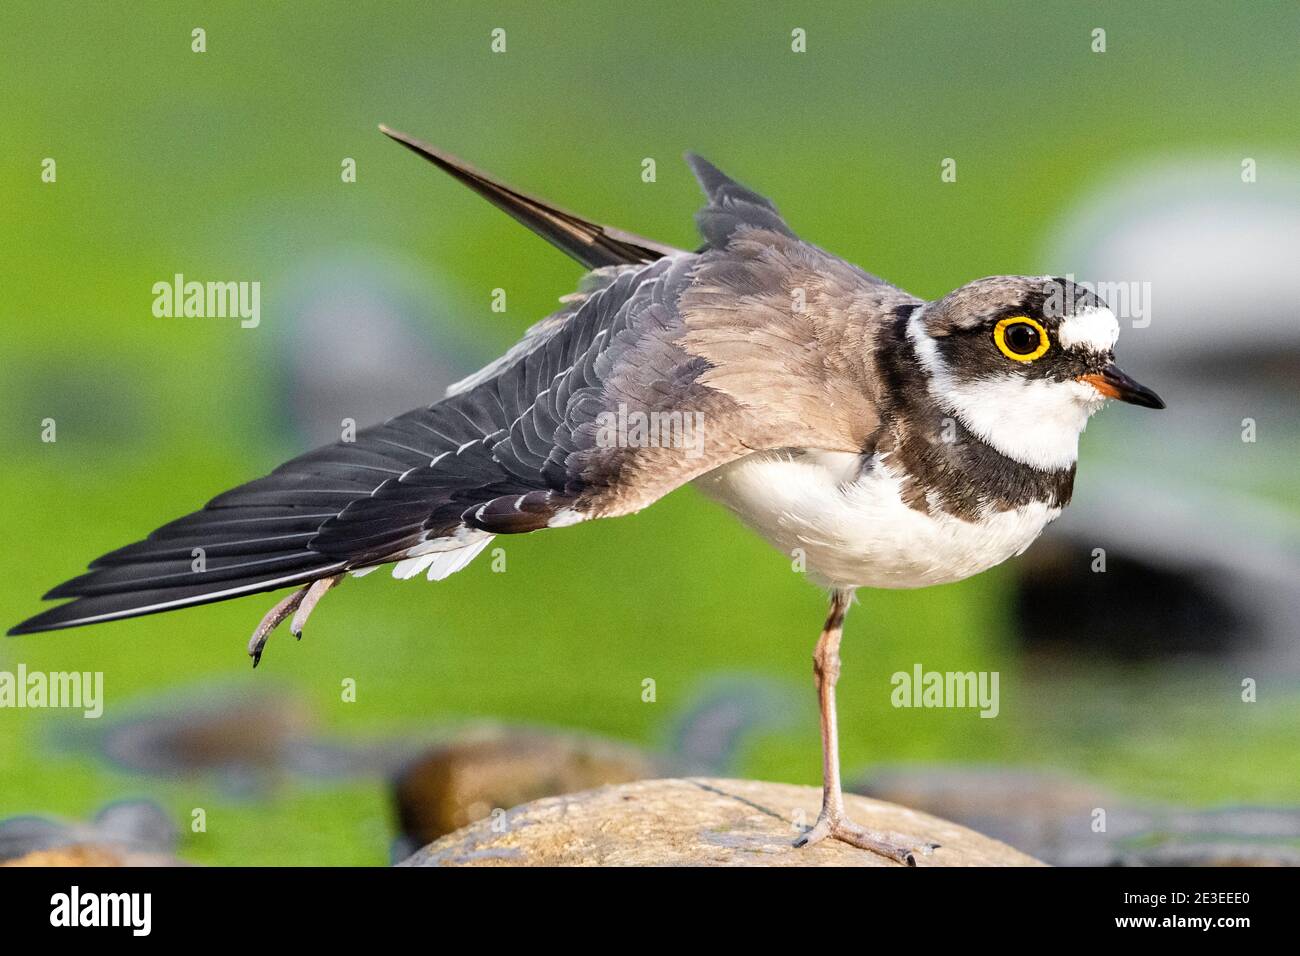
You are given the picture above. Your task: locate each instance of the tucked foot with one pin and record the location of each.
(900, 849)
(282, 609)
(308, 603)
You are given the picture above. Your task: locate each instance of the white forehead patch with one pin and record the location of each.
(1094, 329)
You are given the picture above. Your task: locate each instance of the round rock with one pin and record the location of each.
(698, 821)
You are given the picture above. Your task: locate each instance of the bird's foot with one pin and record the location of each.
(300, 604)
(283, 608)
(892, 846)
(308, 603)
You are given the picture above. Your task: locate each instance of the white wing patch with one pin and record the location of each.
(441, 557)
(410, 567)
(566, 517)
(447, 563)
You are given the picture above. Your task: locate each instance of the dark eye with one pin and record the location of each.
(1020, 338)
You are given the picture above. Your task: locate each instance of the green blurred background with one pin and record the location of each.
(226, 165)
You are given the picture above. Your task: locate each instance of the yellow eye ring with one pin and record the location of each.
(1000, 338)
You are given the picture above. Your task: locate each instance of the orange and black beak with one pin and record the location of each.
(1113, 383)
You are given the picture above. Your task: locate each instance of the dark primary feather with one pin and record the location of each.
(591, 244)
(731, 206)
(517, 443)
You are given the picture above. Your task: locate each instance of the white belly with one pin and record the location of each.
(854, 530)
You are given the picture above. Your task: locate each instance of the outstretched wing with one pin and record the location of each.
(654, 374)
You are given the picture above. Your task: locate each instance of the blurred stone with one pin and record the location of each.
(723, 716)
(243, 737)
(697, 821)
(1138, 610)
(129, 828)
(1212, 854)
(89, 854)
(138, 823)
(1038, 812)
(1051, 816)
(248, 739)
(1210, 250)
(22, 835)
(367, 337)
(462, 781)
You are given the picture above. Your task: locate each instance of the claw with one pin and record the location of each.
(300, 604)
(903, 851)
(309, 602)
(282, 609)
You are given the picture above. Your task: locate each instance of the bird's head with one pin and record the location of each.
(1023, 362)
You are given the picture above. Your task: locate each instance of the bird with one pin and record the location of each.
(887, 440)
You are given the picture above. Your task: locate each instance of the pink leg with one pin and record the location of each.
(832, 821)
